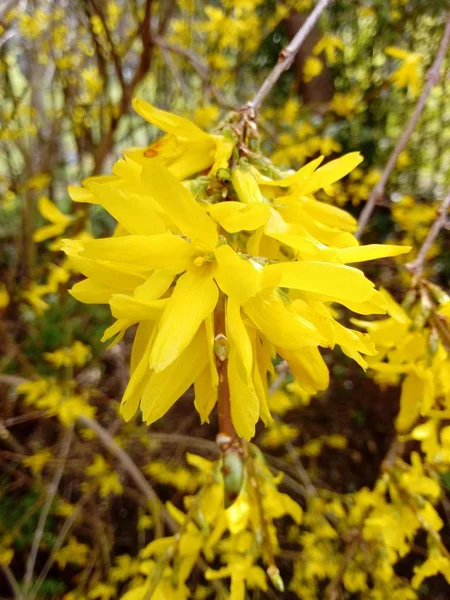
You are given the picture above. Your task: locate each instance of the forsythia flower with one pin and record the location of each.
(329, 44)
(4, 296)
(409, 73)
(312, 68)
(224, 270)
(59, 221)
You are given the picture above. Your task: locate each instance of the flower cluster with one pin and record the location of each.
(218, 257)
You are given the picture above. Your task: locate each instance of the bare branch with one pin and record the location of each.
(416, 266)
(131, 468)
(51, 493)
(115, 57)
(14, 584)
(57, 545)
(432, 78)
(286, 57)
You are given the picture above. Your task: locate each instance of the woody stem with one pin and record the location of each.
(287, 56)
(224, 407)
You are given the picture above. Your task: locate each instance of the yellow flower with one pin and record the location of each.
(212, 269)
(403, 160)
(409, 73)
(75, 355)
(4, 296)
(205, 116)
(345, 105)
(6, 556)
(434, 564)
(329, 45)
(312, 68)
(59, 221)
(186, 149)
(37, 461)
(73, 552)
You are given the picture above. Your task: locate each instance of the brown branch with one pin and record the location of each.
(226, 427)
(286, 58)
(141, 70)
(416, 266)
(115, 57)
(432, 77)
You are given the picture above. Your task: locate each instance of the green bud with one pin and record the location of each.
(274, 575)
(233, 475)
(224, 174)
(438, 293)
(221, 347)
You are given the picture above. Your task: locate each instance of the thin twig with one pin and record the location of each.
(286, 57)
(432, 77)
(56, 546)
(14, 584)
(332, 590)
(416, 266)
(272, 569)
(310, 489)
(131, 468)
(51, 493)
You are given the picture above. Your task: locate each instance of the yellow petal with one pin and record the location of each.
(243, 399)
(4, 296)
(369, 252)
(411, 397)
(205, 386)
(140, 372)
(156, 285)
(129, 307)
(168, 122)
(330, 215)
(295, 178)
(235, 216)
(119, 277)
(48, 231)
(193, 300)
(163, 251)
(247, 189)
(51, 212)
(178, 202)
(308, 368)
(92, 292)
(297, 212)
(394, 309)
(165, 387)
(376, 305)
(222, 154)
(397, 52)
(133, 211)
(237, 277)
(295, 236)
(280, 325)
(330, 173)
(205, 389)
(141, 340)
(336, 281)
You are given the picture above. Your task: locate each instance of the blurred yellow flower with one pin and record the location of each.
(409, 74)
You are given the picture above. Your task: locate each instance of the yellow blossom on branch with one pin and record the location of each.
(237, 240)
